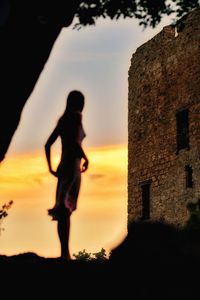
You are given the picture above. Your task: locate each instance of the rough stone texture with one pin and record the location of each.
(164, 77)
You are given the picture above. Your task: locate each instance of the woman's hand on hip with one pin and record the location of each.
(54, 173)
(84, 166)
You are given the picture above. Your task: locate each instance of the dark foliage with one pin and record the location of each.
(4, 213)
(194, 219)
(148, 12)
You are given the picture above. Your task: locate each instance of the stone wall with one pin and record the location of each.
(164, 78)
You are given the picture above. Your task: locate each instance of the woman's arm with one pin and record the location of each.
(77, 125)
(83, 155)
(54, 135)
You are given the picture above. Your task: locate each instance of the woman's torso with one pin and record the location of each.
(71, 133)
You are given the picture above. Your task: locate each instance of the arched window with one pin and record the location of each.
(182, 129)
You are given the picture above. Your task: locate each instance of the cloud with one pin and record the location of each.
(40, 178)
(95, 176)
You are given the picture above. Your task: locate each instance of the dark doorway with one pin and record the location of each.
(146, 200)
(189, 181)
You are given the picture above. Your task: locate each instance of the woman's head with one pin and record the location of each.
(75, 101)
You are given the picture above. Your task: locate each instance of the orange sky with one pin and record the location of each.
(99, 221)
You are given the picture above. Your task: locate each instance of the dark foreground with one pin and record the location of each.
(154, 261)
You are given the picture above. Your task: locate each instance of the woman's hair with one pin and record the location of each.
(75, 101)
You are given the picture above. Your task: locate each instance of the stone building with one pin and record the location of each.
(164, 124)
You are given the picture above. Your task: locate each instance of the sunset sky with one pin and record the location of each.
(94, 60)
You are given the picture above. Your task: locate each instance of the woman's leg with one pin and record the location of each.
(63, 233)
(53, 211)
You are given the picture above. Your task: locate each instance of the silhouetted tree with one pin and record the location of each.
(28, 30)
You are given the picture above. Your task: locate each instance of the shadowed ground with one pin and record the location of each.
(154, 260)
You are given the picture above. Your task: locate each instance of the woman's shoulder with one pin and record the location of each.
(60, 122)
(70, 119)
(76, 117)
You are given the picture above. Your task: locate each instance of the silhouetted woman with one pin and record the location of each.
(69, 128)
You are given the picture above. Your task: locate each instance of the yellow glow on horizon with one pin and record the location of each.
(100, 218)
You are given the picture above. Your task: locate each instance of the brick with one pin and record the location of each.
(164, 77)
